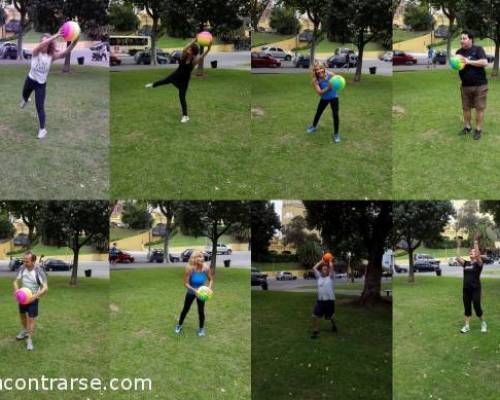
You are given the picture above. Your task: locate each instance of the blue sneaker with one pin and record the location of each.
(311, 129)
(178, 328)
(201, 332)
(336, 137)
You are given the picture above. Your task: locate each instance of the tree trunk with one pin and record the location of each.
(214, 239)
(67, 60)
(313, 45)
(20, 55)
(411, 272)
(359, 66)
(74, 272)
(154, 32)
(373, 276)
(166, 257)
(497, 54)
(449, 38)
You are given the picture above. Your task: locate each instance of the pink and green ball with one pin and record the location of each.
(338, 82)
(205, 293)
(23, 296)
(456, 63)
(204, 38)
(71, 31)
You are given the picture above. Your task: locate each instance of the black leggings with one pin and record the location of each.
(472, 296)
(187, 305)
(182, 87)
(334, 104)
(39, 88)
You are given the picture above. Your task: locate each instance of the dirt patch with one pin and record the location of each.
(114, 308)
(257, 112)
(398, 109)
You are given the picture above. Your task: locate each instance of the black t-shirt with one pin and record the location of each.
(472, 273)
(470, 75)
(182, 74)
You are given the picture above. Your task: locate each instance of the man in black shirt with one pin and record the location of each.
(474, 82)
(472, 288)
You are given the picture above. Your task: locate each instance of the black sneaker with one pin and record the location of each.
(477, 134)
(465, 131)
(315, 335)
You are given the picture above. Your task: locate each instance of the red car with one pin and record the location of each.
(400, 57)
(260, 60)
(121, 257)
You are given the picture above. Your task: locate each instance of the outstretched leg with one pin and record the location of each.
(187, 305)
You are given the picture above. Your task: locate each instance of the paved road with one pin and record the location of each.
(227, 60)
(100, 269)
(239, 259)
(86, 53)
(383, 68)
(489, 271)
(421, 64)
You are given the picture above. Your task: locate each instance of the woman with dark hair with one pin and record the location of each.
(43, 55)
(180, 77)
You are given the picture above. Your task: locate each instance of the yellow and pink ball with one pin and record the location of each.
(70, 31)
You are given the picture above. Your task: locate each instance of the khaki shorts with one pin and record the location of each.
(474, 97)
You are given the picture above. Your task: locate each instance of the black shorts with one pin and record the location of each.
(31, 309)
(324, 308)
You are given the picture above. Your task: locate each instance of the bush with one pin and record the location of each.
(309, 253)
(283, 19)
(123, 17)
(272, 257)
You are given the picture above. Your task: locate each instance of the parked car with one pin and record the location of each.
(306, 36)
(15, 263)
(387, 56)
(122, 257)
(100, 46)
(13, 26)
(400, 270)
(343, 57)
(158, 255)
(259, 279)
(175, 56)
(159, 230)
(276, 52)
(425, 266)
(487, 259)
(439, 57)
(452, 262)
(427, 257)
(260, 60)
(187, 253)
(144, 57)
(490, 58)
(441, 32)
(302, 61)
(309, 274)
(114, 59)
(56, 265)
(402, 58)
(221, 249)
(21, 240)
(285, 276)
(9, 51)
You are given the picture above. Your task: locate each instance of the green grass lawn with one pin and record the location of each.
(400, 35)
(262, 38)
(153, 155)
(432, 360)
(180, 240)
(267, 267)
(180, 43)
(436, 253)
(55, 251)
(430, 160)
(289, 163)
(70, 337)
(325, 46)
(145, 306)
(116, 233)
(287, 364)
(72, 160)
(455, 43)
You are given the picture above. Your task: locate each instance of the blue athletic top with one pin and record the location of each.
(323, 84)
(198, 278)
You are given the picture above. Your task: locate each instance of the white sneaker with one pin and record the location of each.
(148, 85)
(42, 133)
(29, 345)
(484, 327)
(184, 119)
(22, 335)
(23, 103)
(465, 329)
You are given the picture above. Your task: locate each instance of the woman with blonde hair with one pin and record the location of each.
(180, 77)
(197, 274)
(321, 83)
(43, 55)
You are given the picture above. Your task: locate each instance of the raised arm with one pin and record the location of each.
(67, 50)
(45, 43)
(202, 56)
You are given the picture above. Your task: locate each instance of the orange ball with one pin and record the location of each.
(327, 257)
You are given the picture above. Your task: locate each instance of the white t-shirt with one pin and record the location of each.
(40, 67)
(29, 280)
(325, 286)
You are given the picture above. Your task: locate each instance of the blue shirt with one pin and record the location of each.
(323, 84)
(198, 278)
